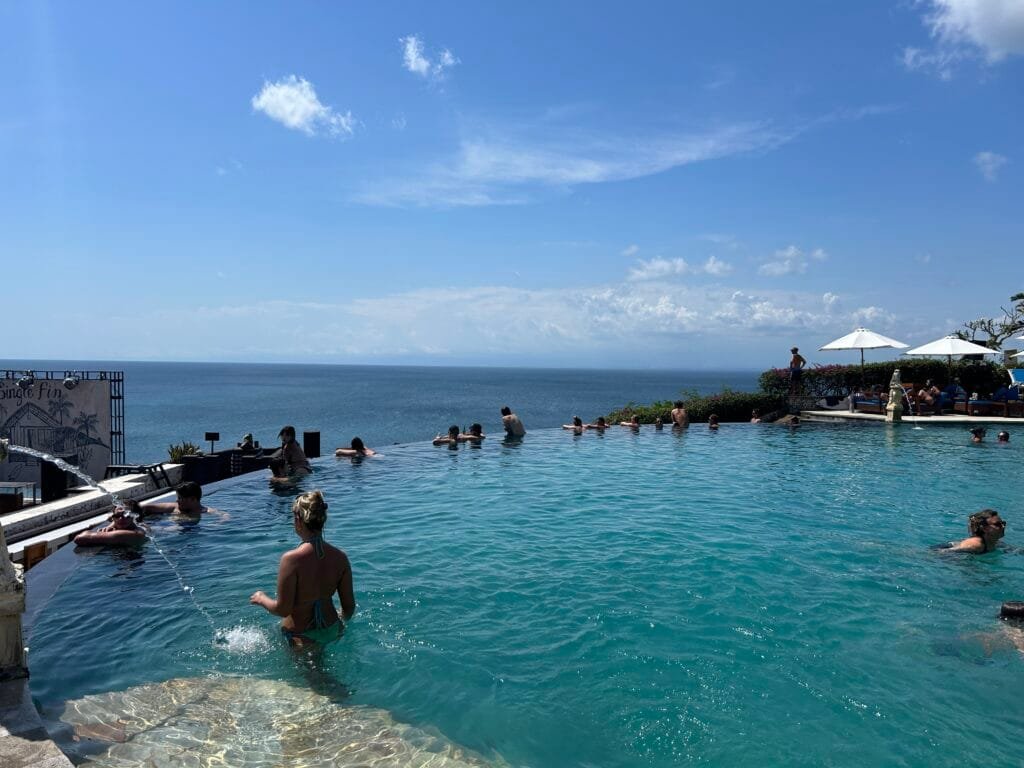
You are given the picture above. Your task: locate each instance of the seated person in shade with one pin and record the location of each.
(633, 422)
(475, 434)
(576, 426)
(755, 416)
(986, 529)
(189, 502)
(357, 450)
(680, 419)
(954, 391)
(600, 424)
(928, 396)
(292, 452)
(452, 437)
(1003, 437)
(713, 421)
(247, 443)
(978, 434)
(659, 423)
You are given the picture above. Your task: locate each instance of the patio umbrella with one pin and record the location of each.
(863, 339)
(949, 346)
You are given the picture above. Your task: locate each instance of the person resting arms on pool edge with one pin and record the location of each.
(680, 419)
(713, 421)
(986, 529)
(189, 495)
(307, 579)
(357, 450)
(601, 425)
(633, 422)
(121, 522)
(475, 434)
(576, 426)
(512, 423)
(451, 439)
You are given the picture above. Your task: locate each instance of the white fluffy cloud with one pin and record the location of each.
(660, 268)
(989, 29)
(292, 101)
(989, 164)
(790, 261)
(415, 60)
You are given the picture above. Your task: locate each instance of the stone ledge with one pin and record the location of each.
(24, 742)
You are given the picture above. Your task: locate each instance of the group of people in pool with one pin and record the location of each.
(511, 423)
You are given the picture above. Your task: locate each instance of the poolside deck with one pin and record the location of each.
(951, 418)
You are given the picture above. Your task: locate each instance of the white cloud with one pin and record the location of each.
(661, 269)
(829, 300)
(990, 30)
(631, 250)
(399, 122)
(789, 261)
(293, 102)
(989, 164)
(415, 60)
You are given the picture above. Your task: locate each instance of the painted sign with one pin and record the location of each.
(73, 424)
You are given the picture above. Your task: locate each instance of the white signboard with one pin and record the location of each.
(62, 422)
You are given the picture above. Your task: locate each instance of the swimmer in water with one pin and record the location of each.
(680, 419)
(357, 450)
(977, 434)
(279, 471)
(634, 422)
(600, 425)
(713, 422)
(188, 502)
(986, 528)
(659, 423)
(1003, 437)
(475, 434)
(576, 426)
(451, 439)
(307, 579)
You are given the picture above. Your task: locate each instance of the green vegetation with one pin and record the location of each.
(182, 449)
(819, 382)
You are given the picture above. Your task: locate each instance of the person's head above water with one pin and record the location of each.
(287, 434)
(476, 429)
(311, 510)
(577, 421)
(453, 431)
(600, 421)
(1012, 610)
(987, 525)
(678, 403)
(977, 434)
(357, 445)
(1003, 437)
(506, 411)
(189, 496)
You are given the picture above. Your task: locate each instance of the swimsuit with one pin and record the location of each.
(318, 631)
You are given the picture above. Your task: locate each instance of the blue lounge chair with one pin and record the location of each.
(1016, 378)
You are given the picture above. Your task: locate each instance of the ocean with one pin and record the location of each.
(171, 402)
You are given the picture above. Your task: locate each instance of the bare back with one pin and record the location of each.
(307, 579)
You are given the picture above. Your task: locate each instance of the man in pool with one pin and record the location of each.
(680, 419)
(292, 452)
(307, 579)
(189, 502)
(986, 529)
(513, 426)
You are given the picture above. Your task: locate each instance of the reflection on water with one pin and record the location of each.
(235, 721)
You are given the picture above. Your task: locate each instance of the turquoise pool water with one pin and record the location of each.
(752, 597)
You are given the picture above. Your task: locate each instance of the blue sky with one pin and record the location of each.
(680, 184)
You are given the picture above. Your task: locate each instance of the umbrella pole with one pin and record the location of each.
(862, 367)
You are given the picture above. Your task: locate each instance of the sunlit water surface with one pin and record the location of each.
(752, 597)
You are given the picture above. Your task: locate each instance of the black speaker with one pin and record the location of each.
(311, 444)
(53, 481)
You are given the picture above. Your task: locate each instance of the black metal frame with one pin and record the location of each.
(116, 379)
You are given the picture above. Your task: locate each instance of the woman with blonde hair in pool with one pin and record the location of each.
(307, 579)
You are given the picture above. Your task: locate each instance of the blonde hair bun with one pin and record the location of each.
(311, 509)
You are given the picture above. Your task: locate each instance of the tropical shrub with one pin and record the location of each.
(840, 380)
(182, 449)
(729, 405)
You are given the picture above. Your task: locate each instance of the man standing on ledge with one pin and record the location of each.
(513, 426)
(796, 370)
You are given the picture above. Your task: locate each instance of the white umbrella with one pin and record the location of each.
(951, 345)
(863, 339)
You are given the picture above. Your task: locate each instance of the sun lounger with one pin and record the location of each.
(974, 407)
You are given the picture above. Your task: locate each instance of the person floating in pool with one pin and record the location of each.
(713, 422)
(357, 450)
(1003, 437)
(307, 579)
(475, 434)
(978, 434)
(986, 528)
(633, 423)
(292, 452)
(680, 419)
(512, 423)
(576, 426)
(188, 502)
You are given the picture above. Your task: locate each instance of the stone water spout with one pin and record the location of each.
(894, 408)
(12, 605)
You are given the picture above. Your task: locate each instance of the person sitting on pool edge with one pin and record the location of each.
(512, 423)
(357, 450)
(292, 452)
(680, 419)
(189, 495)
(307, 579)
(986, 529)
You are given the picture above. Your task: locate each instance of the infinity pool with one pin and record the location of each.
(756, 596)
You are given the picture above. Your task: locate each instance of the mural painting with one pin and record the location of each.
(73, 424)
